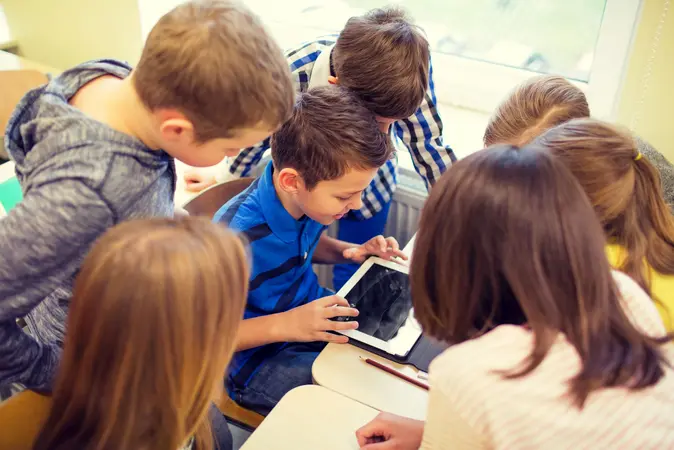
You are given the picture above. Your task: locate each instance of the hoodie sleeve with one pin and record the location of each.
(38, 238)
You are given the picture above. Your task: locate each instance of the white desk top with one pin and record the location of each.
(311, 418)
(340, 368)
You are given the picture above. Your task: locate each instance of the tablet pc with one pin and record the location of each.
(380, 291)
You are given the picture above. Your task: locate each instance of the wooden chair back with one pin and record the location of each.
(209, 201)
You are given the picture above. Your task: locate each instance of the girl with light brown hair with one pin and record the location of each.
(151, 329)
(551, 348)
(625, 190)
(545, 101)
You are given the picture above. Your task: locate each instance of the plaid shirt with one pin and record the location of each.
(421, 133)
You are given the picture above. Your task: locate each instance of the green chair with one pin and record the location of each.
(10, 193)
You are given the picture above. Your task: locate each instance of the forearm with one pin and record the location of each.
(260, 331)
(331, 251)
(24, 360)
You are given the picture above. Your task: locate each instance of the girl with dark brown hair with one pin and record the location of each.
(151, 329)
(624, 189)
(551, 348)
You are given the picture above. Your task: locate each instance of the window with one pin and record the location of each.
(482, 48)
(5, 35)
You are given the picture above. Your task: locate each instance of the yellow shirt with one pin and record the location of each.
(662, 286)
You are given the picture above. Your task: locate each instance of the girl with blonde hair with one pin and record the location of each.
(545, 101)
(151, 329)
(626, 193)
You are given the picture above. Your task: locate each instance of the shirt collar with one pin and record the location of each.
(282, 224)
(322, 69)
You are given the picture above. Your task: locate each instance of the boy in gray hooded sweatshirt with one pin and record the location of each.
(95, 147)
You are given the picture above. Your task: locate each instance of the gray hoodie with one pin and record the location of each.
(79, 178)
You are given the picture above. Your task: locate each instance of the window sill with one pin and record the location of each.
(463, 131)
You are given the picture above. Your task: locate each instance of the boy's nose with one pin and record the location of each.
(357, 203)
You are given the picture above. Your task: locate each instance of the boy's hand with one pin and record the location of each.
(386, 248)
(311, 322)
(197, 182)
(391, 432)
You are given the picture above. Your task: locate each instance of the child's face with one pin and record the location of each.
(330, 200)
(178, 141)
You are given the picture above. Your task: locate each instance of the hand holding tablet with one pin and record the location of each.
(314, 321)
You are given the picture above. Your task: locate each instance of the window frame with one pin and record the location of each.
(455, 76)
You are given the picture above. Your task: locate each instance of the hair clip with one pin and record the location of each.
(638, 157)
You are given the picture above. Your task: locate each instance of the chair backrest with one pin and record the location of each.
(209, 201)
(13, 86)
(21, 419)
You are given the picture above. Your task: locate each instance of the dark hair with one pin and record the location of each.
(215, 62)
(625, 190)
(524, 246)
(151, 328)
(329, 132)
(539, 103)
(385, 60)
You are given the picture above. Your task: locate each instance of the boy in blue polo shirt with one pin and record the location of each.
(323, 159)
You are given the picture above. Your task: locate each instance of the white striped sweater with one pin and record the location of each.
(471, 407)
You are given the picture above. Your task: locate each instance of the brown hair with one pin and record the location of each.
(539, 103)
(151, 328)
(215, 62)
(385, 60)
(527, 249)
(330, 131)
(625, 190)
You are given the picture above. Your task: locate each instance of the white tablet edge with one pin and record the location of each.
(355, 334)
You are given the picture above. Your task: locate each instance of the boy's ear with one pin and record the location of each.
(333, 80)
(175, 127)
(290, 180)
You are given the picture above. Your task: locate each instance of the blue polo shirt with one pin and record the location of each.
(282, 276)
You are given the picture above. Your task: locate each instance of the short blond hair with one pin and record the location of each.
(215, 62)
(177, 289)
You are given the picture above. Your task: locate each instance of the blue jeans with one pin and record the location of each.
(357, 232)
(222, 436)
(276, 376)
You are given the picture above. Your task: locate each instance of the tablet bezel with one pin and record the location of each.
(353, 281)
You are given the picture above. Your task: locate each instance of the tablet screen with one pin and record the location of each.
(383, 298)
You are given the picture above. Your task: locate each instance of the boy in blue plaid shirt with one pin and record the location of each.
(385, 60)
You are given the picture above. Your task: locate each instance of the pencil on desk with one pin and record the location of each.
(394, 372)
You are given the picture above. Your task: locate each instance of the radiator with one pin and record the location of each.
(403, 217)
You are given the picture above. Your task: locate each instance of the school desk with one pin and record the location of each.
(311, 418)
(339, 367)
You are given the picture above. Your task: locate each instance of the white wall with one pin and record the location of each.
(63, 33)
